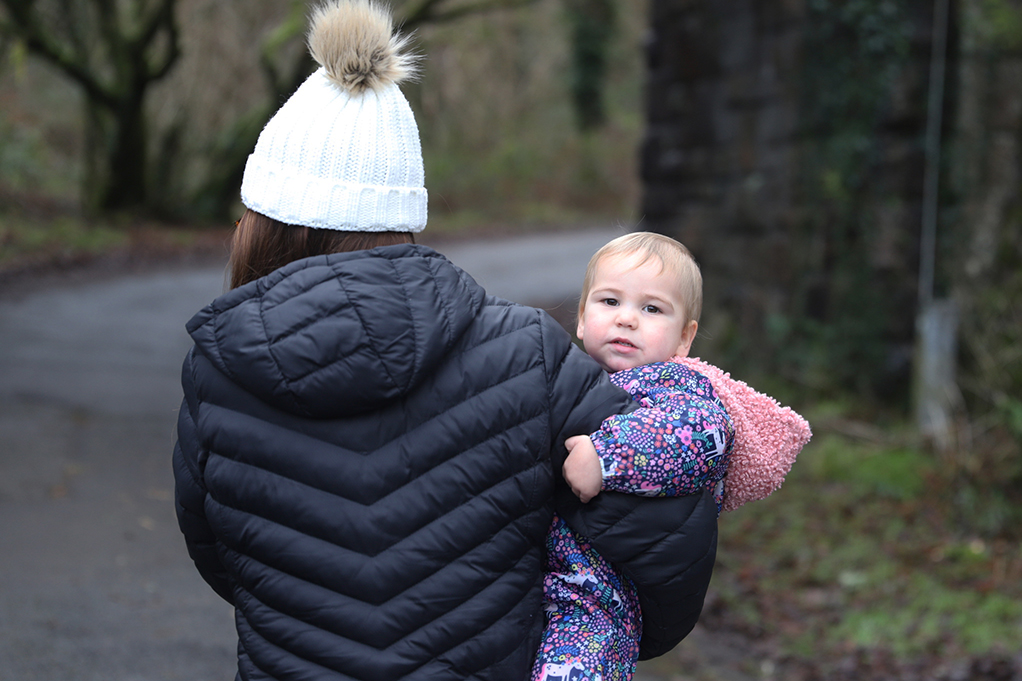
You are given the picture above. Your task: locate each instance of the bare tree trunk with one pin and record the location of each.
(125, 187)
(114, 52)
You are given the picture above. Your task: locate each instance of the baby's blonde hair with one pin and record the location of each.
(673, 256)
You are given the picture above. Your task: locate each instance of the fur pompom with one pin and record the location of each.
(354, 41)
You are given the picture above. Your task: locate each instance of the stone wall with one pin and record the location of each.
(724, 166)
(718, 159)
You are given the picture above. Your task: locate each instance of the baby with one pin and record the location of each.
(638, 315)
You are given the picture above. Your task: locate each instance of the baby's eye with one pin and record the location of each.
(609, 301)
(652, 309)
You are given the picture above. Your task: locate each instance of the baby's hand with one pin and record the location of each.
(582, 468)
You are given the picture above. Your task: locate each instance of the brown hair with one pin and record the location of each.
(673, 256)
(261, 245)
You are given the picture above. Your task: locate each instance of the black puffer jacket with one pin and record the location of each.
(366, 461)
(364, 466)
(667, 546)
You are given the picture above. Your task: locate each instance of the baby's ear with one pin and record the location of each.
(688, 334)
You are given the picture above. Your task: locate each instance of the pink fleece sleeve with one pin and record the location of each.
(768, 437)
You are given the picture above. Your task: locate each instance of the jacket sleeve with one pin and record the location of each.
(666, 546)
(190, 493)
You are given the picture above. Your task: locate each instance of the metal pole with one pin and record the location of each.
(931, 177)
(936, 320)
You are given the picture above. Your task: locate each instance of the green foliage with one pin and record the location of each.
(38, 147)
(898, 473)
(995, 24)
(987, 461)
(592, 25)
(849, 318)
(857, 48)
(928, 613)
(859, 550)
(501, 146)
(985, 458)
(17, 56)
(20, 152)
(520, 181)
(24, 240)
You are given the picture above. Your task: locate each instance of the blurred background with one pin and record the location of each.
(847, 172)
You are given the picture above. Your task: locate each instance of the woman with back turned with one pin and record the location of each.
(369, 444)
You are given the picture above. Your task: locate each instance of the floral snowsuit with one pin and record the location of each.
(678, 442)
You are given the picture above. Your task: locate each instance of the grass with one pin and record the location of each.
(31, 240)
(40, 242)
(859, 550)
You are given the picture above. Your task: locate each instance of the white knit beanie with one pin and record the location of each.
(343, 152)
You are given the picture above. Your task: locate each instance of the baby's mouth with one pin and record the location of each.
(623, 342)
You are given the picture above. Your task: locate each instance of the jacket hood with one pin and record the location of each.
(339, 334)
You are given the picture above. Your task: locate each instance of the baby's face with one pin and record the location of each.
(634, 314)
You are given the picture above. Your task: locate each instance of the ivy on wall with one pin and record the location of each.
(852, 326)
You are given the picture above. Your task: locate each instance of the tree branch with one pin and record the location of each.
(107, 19)
(432, 12)
(152, 26)
(479, 7)
(164, 18)
(25, 25)
(292, 26)
(421, 12)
